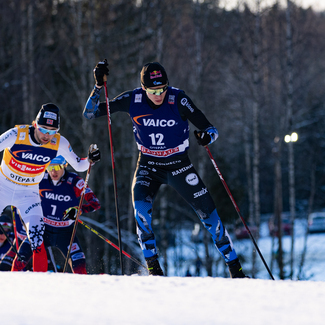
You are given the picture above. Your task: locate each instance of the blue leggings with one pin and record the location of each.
(182, 176)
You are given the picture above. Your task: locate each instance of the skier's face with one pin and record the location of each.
(44, 134)
(2, 238)
(156, 94)
(2, 235)
(56, 173)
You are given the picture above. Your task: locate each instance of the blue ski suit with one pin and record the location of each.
(55, 199)
(162, 136)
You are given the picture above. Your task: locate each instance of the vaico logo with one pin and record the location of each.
(30, 156)
(46, 193)
(153, 122)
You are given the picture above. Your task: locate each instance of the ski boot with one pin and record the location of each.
(154, 266)
(235, 269)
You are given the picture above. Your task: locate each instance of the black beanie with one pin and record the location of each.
(49, 115)
(153, 74)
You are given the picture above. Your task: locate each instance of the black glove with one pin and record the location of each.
(93, 154)
(70, 213)
(100, 71)
(203, 138)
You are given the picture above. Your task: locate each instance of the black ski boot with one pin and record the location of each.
(154, 266)
(235, 269)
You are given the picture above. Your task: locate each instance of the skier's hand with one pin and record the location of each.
(203, 138)
(207, 136)
(93, 154)
(101, 72)
(70, 213)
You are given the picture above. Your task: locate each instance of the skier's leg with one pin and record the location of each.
(32, 216)
(144, 190)
(78, 258)
(61, 240)
(190, 186)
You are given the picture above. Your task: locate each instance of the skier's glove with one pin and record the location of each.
(93, 154)
(100, 71)
(70, 213)
(207, 136)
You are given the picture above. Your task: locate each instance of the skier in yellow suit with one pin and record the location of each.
(28, 150)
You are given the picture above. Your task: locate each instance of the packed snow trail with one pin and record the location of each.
(55, 298)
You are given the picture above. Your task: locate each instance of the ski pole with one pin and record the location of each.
(237, 209)
(109, 242)
(114, 176)
(77, 217)
(52, 259)
(11, 244)
(14, 224)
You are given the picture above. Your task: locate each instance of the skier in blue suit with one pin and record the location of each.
(60, 192)
(5, 246)
(160, 115)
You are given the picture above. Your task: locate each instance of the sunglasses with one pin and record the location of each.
(6, 227)
(45, 131)
(156, 92)
(55, 167)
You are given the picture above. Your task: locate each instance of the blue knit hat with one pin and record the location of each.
(59, 160)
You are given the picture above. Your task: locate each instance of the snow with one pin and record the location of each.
(57, 299)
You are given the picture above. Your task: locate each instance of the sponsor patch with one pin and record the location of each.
(22, 136)
(144, 183)
(80, 184)
(31, 156)
(55, 197)
(163, 153)
(20, 179)
(185, 103)
(192, 179)
(164, 164)
(171, 99)
(54, 223)
(158, 123)
(155, 74)
(181, 170)
(50, 115)
(34, 205)
(138, 98)
(78, 256)
(53, 141)
(75, 247)
(200, 193)
(26, 168)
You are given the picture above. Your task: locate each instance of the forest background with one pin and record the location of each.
(257, 74)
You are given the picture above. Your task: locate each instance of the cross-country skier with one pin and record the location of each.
(7, 257)
(5, 246)
(160, 116)
(28, 150)
(60, 192)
